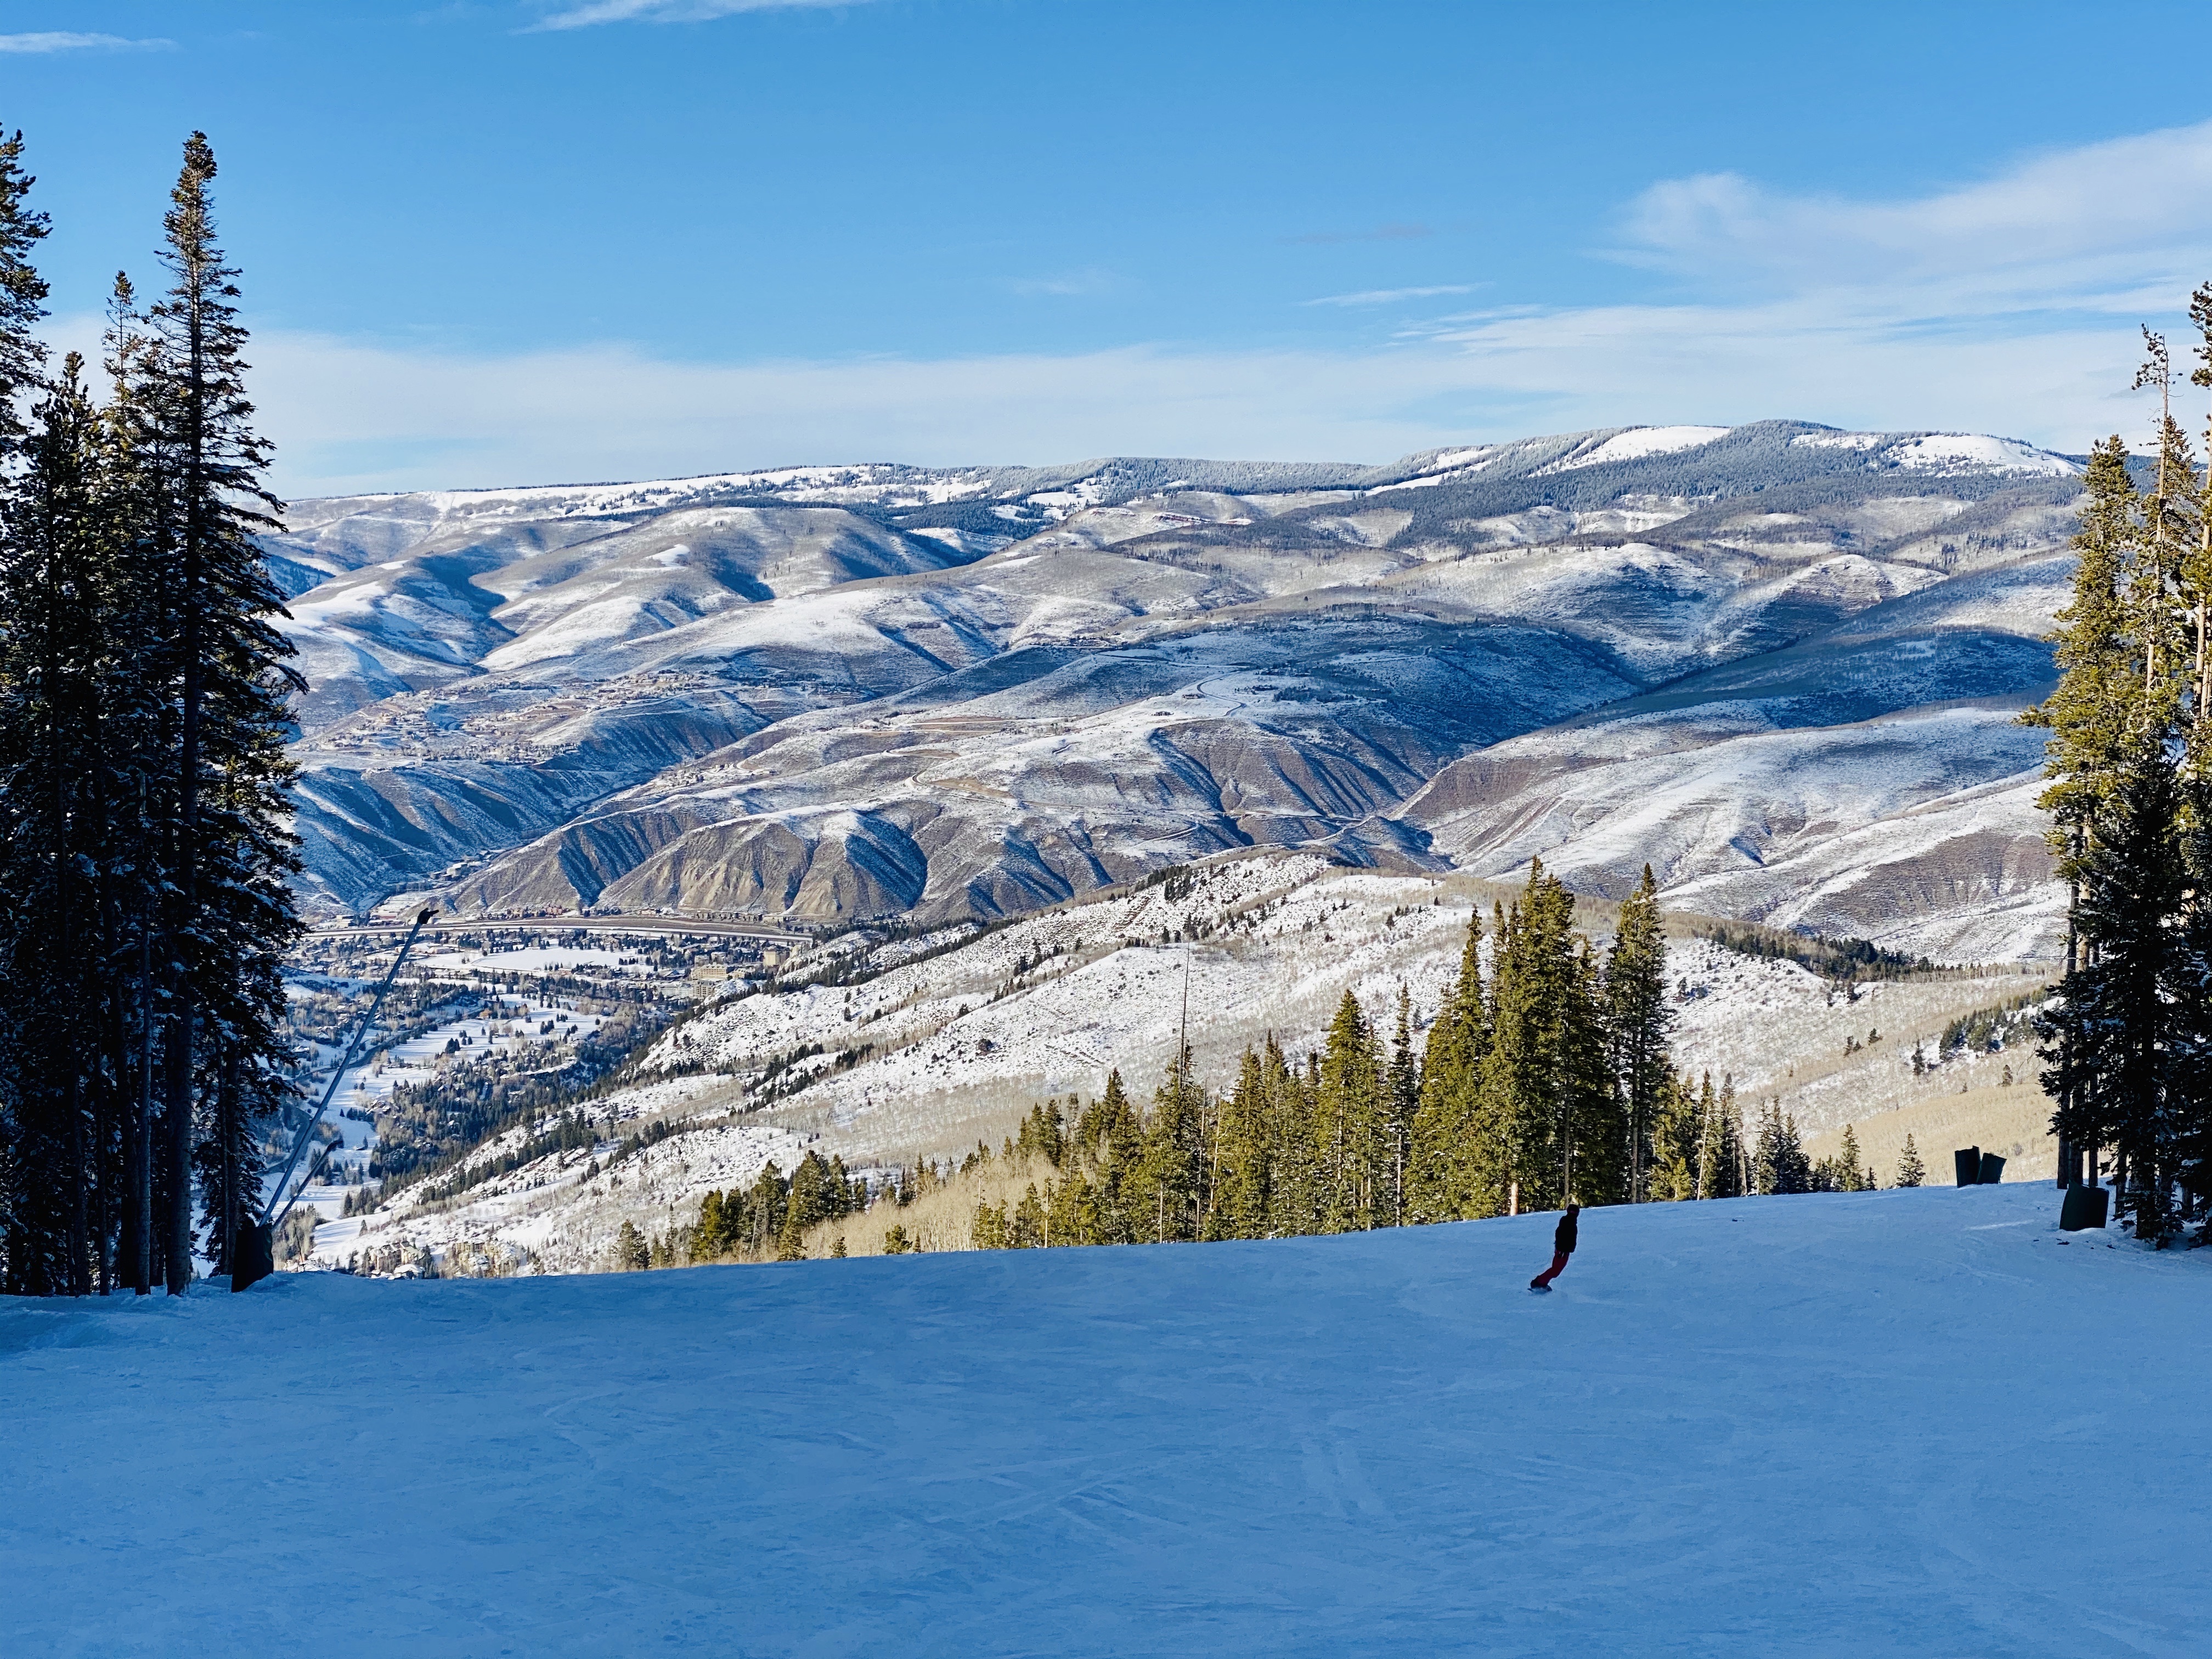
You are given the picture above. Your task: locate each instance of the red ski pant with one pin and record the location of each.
(1558, 1263)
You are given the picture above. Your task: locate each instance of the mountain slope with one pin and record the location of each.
(888, 1052)
(1753, 1424)
(841, 692)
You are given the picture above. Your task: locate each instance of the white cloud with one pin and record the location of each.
(68, 40)
(349, 418)
(1073, 284)
(669, 11)
(2005, 306)
(1386, 296)
(2099, 226)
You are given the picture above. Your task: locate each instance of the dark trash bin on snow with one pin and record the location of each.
(1967, 1162)
(2085, 1207)
(1992, 1169)
(254, 1258)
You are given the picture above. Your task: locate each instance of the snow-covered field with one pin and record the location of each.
(1911, 1423)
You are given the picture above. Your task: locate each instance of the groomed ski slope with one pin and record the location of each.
(1892, 1423)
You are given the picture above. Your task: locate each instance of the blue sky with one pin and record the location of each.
(525, 240)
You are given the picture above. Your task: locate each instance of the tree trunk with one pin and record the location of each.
(180, 1124)
(138, 1135)
(233, 1197)
(79, 1279)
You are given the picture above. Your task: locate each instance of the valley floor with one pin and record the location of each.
(1903, 1422)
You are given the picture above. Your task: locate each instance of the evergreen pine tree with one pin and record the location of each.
(1351, 1117)
(1638, 1019)
(1597, 1155)
(1714, 1164)
(765, 1207)
(22, 295)
(2120, 1021)
(1167, 1193)
(232, 917)
(1677, 1142)
(1445, 1148)
(1296, 1190)
(1404, 1094)
(1243, 1154)
(1910, 1171)
(1768, 1161)
(1112, 1138)
(2093, 709)
(1515, 1163)
(1851, 1164)
(51, 597)
(1548, 1123)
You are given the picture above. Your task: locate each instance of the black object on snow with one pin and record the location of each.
(1967, 1162)
(1992, 1169)
(254, 1257)
(2084, 1208)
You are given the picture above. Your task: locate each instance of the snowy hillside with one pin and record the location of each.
(920, 1048)
(1899, 1422)
(835, 693)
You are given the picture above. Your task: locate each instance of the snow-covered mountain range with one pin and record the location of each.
(1780, 662)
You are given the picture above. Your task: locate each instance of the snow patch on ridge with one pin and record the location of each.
(1945, 452)
(1640, 442)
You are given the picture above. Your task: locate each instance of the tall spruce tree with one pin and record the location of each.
(1403, 1088)
(2091, 710)
(1350, 1115)
(1442, 1180)
(23, 294)
(1548, 1125)
(1720, 1152)
(231, 915)
(1244, 1158)
(1638, 1019)
(1675, 1125)
(55, 651)
(2119, 1028)
(1167, 1194)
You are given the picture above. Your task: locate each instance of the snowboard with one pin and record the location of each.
(1540, 1290)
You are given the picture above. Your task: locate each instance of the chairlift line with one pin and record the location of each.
(270, 1217)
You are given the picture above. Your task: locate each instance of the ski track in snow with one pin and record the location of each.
(1887, 1423)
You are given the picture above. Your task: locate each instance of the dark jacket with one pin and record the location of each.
(1562, 1241)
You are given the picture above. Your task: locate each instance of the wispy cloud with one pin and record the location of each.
(1409, 233)
(669, 11)
(1390, 296)
(2099, 225)
(2005, 305)
(70, 40)
(349, 418)
(1073, 284)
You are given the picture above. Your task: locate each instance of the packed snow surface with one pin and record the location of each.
(1919, 1422)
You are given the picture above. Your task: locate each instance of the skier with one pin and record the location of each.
(1563, 1246)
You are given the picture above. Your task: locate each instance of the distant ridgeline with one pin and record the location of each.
(1550, 1080)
